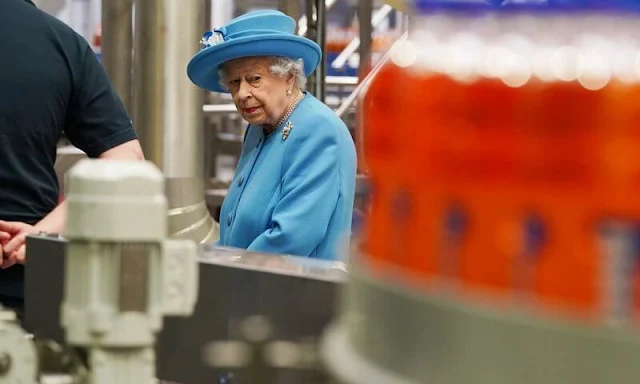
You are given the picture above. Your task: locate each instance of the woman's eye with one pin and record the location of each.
(253, 79)
(234, 82)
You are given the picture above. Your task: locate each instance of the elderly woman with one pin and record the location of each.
(293, 189)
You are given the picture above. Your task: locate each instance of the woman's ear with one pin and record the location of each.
(291, 80)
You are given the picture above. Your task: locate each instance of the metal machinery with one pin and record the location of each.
(122, 276)
(125, 304)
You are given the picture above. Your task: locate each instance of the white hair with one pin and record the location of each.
(281, 67)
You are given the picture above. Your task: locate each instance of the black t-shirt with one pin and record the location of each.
(50, 83)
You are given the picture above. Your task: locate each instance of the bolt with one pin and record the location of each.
(256, 329)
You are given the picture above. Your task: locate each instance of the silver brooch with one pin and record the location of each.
(286, 130)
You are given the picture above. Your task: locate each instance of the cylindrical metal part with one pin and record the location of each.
(149, 86)
(117, 46)
(168, 109)
(183, 101)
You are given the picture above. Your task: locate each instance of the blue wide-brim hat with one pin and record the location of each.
(257, 33)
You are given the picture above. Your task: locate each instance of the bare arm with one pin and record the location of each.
(55, 220)
(131, 150)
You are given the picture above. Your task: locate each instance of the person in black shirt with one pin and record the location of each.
(50, 84)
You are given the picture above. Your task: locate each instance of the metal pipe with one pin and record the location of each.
(209, 151)
(168, 109)
(353, 96)
(149, 78)
(365, 11)
(311, 33)
(354, 44)
(117, 46)
(316, 31)
(321, 39)
(302, 23)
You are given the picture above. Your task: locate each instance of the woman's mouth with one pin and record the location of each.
(251, 111)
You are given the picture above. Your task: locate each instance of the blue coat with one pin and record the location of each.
(293, 195)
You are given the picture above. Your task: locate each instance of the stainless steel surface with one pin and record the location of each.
(354, 44)
(117, 46)
(282, 265)
(149, 71)
(188, 213)
(297, 296)
(183, 100)
(418, 336)
(168, 109)
(353, 96)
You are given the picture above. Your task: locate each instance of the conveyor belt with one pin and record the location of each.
(298, 297)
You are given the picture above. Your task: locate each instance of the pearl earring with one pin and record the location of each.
(288, 93)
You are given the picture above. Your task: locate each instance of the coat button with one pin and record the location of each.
(241, 181)
(229, 220)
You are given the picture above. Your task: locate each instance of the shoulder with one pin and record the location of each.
(62, 42)
(59, 31)
(315, 122)
(38, 30)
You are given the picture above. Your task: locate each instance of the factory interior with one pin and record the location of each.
(493, 235)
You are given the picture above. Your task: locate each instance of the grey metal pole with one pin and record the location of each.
(316, 30)
(311, 33)
(365, 11)
(117, 46)
(209, 152)
(168, 109)
(321, 39)
(149, 68)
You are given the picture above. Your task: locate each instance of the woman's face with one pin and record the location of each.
(259, 95)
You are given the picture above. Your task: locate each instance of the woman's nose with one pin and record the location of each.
(243, 90)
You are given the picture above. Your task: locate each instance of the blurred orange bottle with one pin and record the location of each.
(501, 182)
